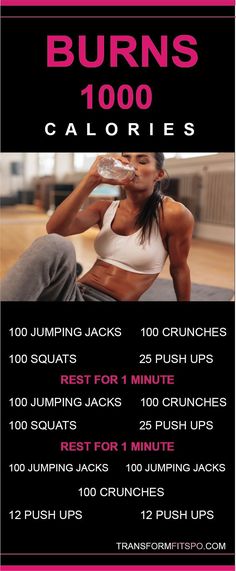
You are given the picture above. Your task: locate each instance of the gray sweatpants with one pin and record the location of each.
(46, 271)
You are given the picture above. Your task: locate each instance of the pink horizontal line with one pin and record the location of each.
(192, 554)
(118, 2)
(115, 568)
(16, 17)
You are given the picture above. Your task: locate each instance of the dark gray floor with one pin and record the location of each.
(162, 290)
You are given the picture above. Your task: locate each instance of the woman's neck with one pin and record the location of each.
(137, 200)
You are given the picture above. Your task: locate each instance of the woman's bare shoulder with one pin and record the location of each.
(102, 205)
(175, 213)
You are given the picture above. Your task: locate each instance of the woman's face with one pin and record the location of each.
(146, 170)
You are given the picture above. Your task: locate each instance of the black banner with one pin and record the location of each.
(160, 75)
(119, 432)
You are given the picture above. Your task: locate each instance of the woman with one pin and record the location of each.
(136, 235)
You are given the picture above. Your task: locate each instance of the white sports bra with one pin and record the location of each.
(126, 252)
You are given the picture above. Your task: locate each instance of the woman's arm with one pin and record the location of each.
(179, 223)
(67, 218)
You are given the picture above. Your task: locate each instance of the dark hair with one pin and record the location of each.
(150, 212)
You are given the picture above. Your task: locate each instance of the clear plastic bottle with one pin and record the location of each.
(109, 167)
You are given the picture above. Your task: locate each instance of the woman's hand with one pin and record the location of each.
(94, 175)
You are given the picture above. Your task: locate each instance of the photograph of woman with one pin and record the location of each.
(136, 236)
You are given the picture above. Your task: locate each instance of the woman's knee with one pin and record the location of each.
(56, 243)
(55, 247)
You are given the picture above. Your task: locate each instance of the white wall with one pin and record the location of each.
(199, 165)
(214, 233)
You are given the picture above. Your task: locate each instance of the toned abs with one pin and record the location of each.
(118, 283)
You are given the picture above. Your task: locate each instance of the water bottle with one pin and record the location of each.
(113, 168)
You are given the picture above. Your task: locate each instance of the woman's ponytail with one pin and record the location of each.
(151, 211)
